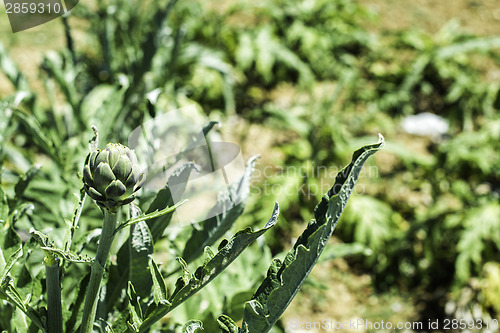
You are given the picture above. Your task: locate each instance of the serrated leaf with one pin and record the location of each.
(159, 287)
(215, 227)
(73, 224)
(134, 308)
(209, 254)
(141, 249)
(284, 279)
(163, 200)
(47, 245)
(207, 272)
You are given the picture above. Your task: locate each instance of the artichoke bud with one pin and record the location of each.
(111, 177)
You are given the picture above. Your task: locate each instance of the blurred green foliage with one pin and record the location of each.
(310, 71)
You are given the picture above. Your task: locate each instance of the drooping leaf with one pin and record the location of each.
(73, 224)
(285, 278)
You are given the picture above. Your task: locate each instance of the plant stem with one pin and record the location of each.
(92, 297)
(54, 309)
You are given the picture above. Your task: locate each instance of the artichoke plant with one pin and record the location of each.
(112, 176)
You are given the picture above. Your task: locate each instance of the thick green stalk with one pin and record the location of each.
(97, 273)
(54, 309)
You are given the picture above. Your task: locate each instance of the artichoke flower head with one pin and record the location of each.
(112, 177)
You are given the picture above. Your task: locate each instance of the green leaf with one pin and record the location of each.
(159, 287)
(164, 198)
(25, 180)
(134, 308)
(145, 217)
(192, 326)
(284, 279)
(227, 325)
(113, 104)
(60, 67)
(5, 123)
(76, 306)
(49, 247)
(37, 133)
(215, 227)
(4, 207)
(157, 223)
(10, 250)
(25, 208)
(207, 272)
(344, 250)
(484, 44)
(481, 228)
(9, 68)
(19, 190)
(9, 292)
(141, 249)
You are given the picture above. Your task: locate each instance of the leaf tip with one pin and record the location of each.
(381, 138)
